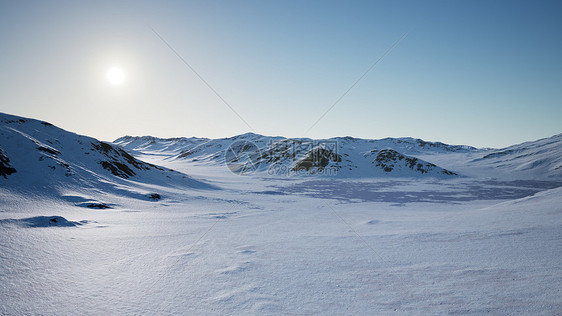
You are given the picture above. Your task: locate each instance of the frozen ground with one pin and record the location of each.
(288, 246)
(87, 229)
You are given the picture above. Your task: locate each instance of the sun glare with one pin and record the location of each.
(115, 76)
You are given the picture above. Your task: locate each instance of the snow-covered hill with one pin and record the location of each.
(341, 156)
(36, 156)
(537, 160)
(354, 157)
(274, 245)
(541, 157)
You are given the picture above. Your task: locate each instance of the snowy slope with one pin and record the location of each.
(342, 156)
(285, 254)
(541, 157)
(353, 157)
(39, 157)
(539, 160)
(267, 245)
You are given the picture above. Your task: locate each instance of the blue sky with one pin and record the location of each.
(483, 73)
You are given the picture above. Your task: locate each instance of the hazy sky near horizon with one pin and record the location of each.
(483, 73)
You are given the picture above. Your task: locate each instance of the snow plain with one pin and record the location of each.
(271, 245)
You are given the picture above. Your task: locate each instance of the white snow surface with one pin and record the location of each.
(213, 242)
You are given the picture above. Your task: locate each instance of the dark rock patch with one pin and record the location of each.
(49, 150)
(5, 167)
(42, 221)
(99, 206)
(317, 158)
(118, 169)
(154, 196)
(119, 162)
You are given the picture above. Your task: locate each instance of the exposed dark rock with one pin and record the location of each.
(118, 169)
(499, 154)
(449, 173)
(115, 162)
(49, 150)
(5, 167)
(20, 121)
(98, 206)
(42, 221)
(185, 154)
(387, 159)
(154, 196)
(317, 158)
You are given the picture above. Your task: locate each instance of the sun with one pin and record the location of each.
(115, 76)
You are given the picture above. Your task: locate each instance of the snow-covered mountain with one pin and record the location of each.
(354, 157)
(36, 156)
(541, 157)
(414, 245)
(341, 156)
(537, 160)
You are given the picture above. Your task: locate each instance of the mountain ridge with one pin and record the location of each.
(453, 159)
(38, 155)
(347, 156)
